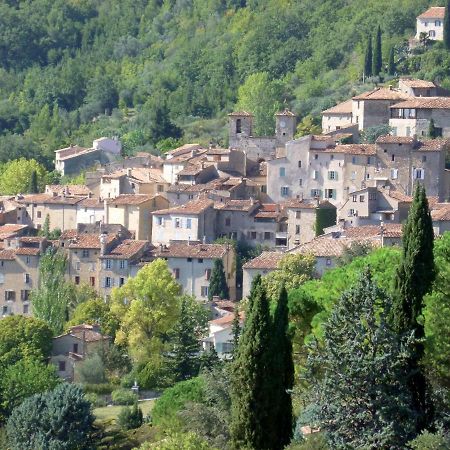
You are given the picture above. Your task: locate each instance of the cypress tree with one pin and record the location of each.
(283, 374)
(432, 132)
(368, 58)
(414, 279)
(447, 27)
(236, 329)
(377, 62)
(391, 66)
(251, 386)
(218, 282)
(33, 188)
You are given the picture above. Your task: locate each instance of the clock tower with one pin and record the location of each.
(286, 122)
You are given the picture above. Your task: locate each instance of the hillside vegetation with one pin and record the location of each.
(156, 72)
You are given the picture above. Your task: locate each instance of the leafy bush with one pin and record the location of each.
(130, 418)
(100, 389)
(95, 399)
(179, 441)
(430, 441)
(123, 397)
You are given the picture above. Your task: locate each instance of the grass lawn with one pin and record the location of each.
(111, 412)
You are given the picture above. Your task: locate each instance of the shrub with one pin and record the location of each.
(95, 399)
(179, 441)
(130, 418)
(123, 397)
(100, 389)
(92, 370)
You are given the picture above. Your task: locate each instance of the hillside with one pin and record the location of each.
(172, 69)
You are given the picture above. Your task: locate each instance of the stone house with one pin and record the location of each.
(71, 349)
(420, 88)
(134, 212)
(181, 158)
(19, 273)
(193, 221)
(412, 117)
(90, 210)
(191, 264)
(431, 22)
(440, 214)
(69, 190)
(337, 117)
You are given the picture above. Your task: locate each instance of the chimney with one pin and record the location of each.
(102, 244)
(105, 211)
(89, 194)
(204, 239)
(160, 248)
(129, 171)
(390, 87)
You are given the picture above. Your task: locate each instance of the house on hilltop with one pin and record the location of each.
(431, 22)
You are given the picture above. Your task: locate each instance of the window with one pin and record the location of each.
(39, 214)
(352, 212)
(26, 278)
(238, 126)
(282, 172)
(200, 260)
(227, 222)
(252, 234)
(392, 157)
(315, 174)
(267, 235)
(331, 157)
(92, 281)
(298, 214)
(176, 273)
(372, 195)
(394, 174)
(354, 159)
(353, 176)
(424, 158)
(77, 280)
(77, 265)
(354, 198)
(362, 198)
(160, 188)
(419, 174)
(24, 295)
(160, 221)
(207, 274)
(121, 281)
(432, 33)
(4, 310)
(330, 193)
(123, 264)
(367, 176)
(189, 223)
(300, 182)
(108, 282)
(177, 222)
(10, 295)
(328, 263)
(75, 348)
(369, 160)
(190, 196)
(26, 309)
(299, 164)
(437, 23)
(297, 229)
(316, 156)
(189, 260)
(332, 175)
(315, 193)
(62, 366)
(2, 278)
(85, 254)
(108, 263)
(284, 191)
(204, 291)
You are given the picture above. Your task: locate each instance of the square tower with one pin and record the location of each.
(285, 125)
(240, 125)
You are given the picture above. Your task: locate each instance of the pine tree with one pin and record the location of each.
(359, 397)
(392, 66)
(447, 27)
(432, 132)
(251, 387)
(33, 189)
(218, 282)
(283, 374)
(377, 62)
(185, 357)
(368, 58)
(415, 277)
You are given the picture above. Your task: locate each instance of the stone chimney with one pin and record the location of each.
(103, 244)
(129, 171)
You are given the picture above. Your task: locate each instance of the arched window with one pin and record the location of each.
(238, 126)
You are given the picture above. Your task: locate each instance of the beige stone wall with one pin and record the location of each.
(302, 220)
(333, 122)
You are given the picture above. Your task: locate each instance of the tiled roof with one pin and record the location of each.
(83, 240)
(325, 247)
(435, 12)
(389, 139)
(126, 249)
(10, 230)
(27, 240)
(190, 170)
(7, 255)
(91, 203)
(130, 199)
(187, 157)
(268, 210)
(184, 149)
(241, 113)
(237, 205)
(71, 151)
(69, 189)
(192, 207)
(441, 213)
(139, 175)
(218, 151)
(382, 93)
(31, 251)
(286, 112)
(431, 145)
(266, 260)
(49, 199)
(397, 195)
(353, 149)
(192, 250)
(424, 103)
(299, 204)
(68, 234)
(227, 319)
(368, 231)
(340, 108)
(87, 333)
(413, 83)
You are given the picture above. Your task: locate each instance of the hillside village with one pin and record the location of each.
(234, 213)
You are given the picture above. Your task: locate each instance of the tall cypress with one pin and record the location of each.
(218, 282)
(283, 374)
(414, 279)
(432, 132)
(33, 188)
(447, 27)
(377, 62)
(251, 386)
(368, 58)
(391, 66)
(236, 329)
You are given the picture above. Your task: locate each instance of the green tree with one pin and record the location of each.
(392, 68)
(146, 307)
(45, 230)
(60, 418)
(251, 388)
(262, 97)
(283, 374)
(218, 281)
(447, 27)
(51, 298)
(16, 175)
(415, 277)
(33, 189)
(91, 370)
(361, 368)
(180, 441)
(377, 62)
(236, 328)
(432, 132)
(307, 126)
(368, 58)
(130, 418)
(430, 441)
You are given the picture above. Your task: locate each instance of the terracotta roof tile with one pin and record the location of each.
(435, 12)
(31, 251)
(193, 207)
(424, 103)
(397, 195)
(382, 93)
(7, 255)
(340, 108)
(227, 319)
(414, 83)
(193, 250)
(71, 151)
(286, 112)
(441, 213)
(91, 203)
(353, 149)
(49, 199)
(266, 260)
(184, 149)
(10, 229)
(241, 113)
(127, 249)
(237, 205)
(130, 199)
(389, 139)
(85, 240)
(69, 189)
(431, 145)
(325, 247)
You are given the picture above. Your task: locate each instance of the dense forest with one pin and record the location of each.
(159, 72)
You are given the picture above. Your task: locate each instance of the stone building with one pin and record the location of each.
(431, 22)
(337, 117)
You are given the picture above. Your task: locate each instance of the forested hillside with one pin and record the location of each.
(156, 72)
